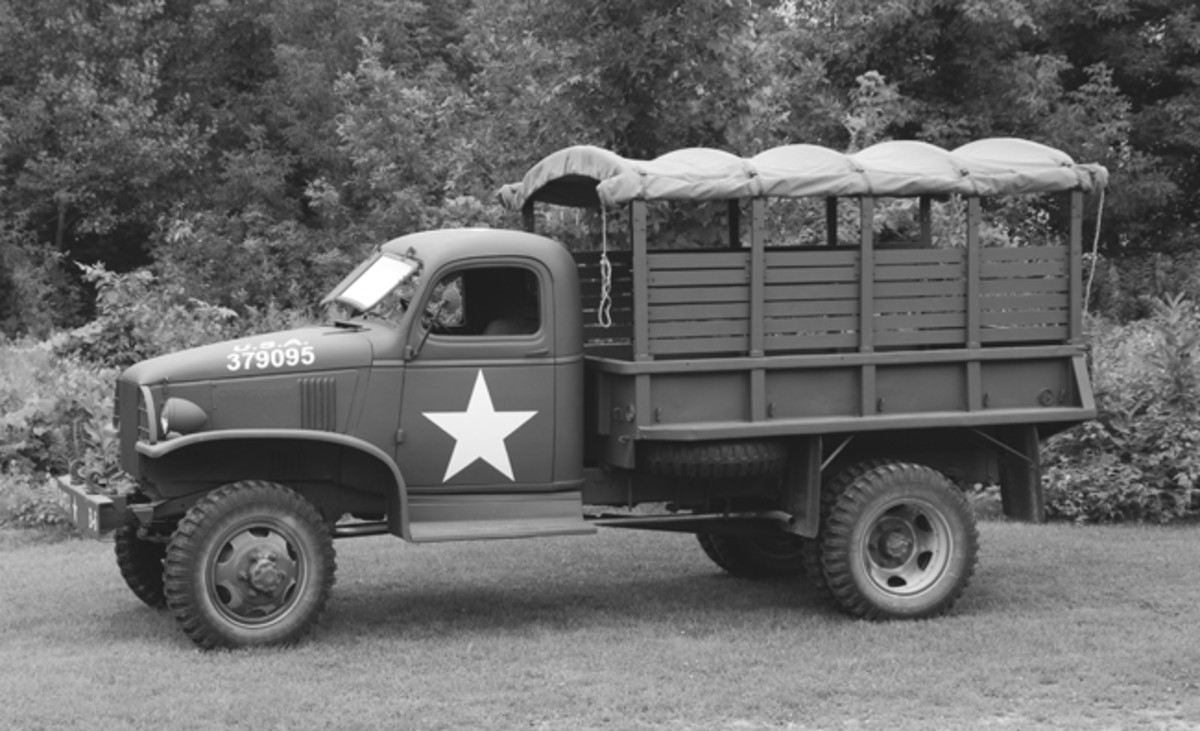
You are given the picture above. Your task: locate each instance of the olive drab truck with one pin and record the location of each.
(804, 399)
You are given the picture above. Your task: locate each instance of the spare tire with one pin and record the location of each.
(713, 460)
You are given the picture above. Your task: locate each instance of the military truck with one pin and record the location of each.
(816, 405)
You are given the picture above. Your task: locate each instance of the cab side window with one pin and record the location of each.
(493, 301)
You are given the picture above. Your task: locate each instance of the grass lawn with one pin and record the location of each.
(1062, 627)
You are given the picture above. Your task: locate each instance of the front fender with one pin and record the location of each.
(229, 455)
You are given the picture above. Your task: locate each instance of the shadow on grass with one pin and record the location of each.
(617, 580)
(702, 603)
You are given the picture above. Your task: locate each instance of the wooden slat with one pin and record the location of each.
(800, 343)
(776, 326)
(921, 337)
(1024, 253)
(1008, 270)
(683, 295)
(698, 329)
(813, 258)
(954, 303)
(699, 278)
(795, 293)
(893, 257)
(1026, 334)
(693, 260)
(911, 272)
(1024, 302)
(821, 275)
(918, 289)
(921, 321)
(698, 346)
(1020, 286)
(670, 313)
(1035, 317)
(784, 310)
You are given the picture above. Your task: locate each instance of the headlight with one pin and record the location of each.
(182, 417)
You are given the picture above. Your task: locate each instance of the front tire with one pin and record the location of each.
(140, 563)
(251, 563)
(900, 543)
(755, 557)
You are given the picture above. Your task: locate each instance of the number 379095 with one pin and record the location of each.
(273, 358)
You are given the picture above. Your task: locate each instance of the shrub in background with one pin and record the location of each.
(139, 316)
(55, 417)
(1140, 459)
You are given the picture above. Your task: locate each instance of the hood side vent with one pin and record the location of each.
(318, 404)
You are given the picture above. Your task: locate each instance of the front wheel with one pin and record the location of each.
(900, 542)
(250, 564)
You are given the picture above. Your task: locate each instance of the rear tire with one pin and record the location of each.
(251, 563)
(757, 556)
(900, 542)
(140, 563)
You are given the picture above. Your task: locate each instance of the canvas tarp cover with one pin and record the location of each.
(589, 176)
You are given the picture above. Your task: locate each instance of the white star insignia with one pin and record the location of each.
(479, 432)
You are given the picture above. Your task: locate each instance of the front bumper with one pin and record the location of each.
(94, 515)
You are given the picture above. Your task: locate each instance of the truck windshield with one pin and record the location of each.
(374, 282)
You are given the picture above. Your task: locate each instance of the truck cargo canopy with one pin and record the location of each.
(590, 176)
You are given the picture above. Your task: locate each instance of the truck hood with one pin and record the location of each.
(289, 351)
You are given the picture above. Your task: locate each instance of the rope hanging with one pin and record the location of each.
(1087, 291)
(604, 310)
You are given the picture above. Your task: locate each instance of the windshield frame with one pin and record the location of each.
(372, 281)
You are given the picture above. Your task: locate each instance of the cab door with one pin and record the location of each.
(477, 410)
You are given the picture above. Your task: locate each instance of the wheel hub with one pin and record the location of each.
(264, 574)
(893, 542)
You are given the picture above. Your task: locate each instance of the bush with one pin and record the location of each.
(1140, 459)
(138, 316)
(55, 418)
(29, 501)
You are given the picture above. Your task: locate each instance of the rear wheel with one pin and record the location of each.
(141, 563)
(755, 556)
(900, 542)
(250, 564)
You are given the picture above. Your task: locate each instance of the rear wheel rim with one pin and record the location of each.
(906, 547)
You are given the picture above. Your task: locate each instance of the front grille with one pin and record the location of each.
(130, 419)
(147, 416)
(318, 404)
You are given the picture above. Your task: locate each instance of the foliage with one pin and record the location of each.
(1140, 459)
(139, 317)
(255, 147)
(28, 501)
(55, 417)
(1125, 288)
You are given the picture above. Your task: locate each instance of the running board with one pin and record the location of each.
(476, 530)
(482, 516)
